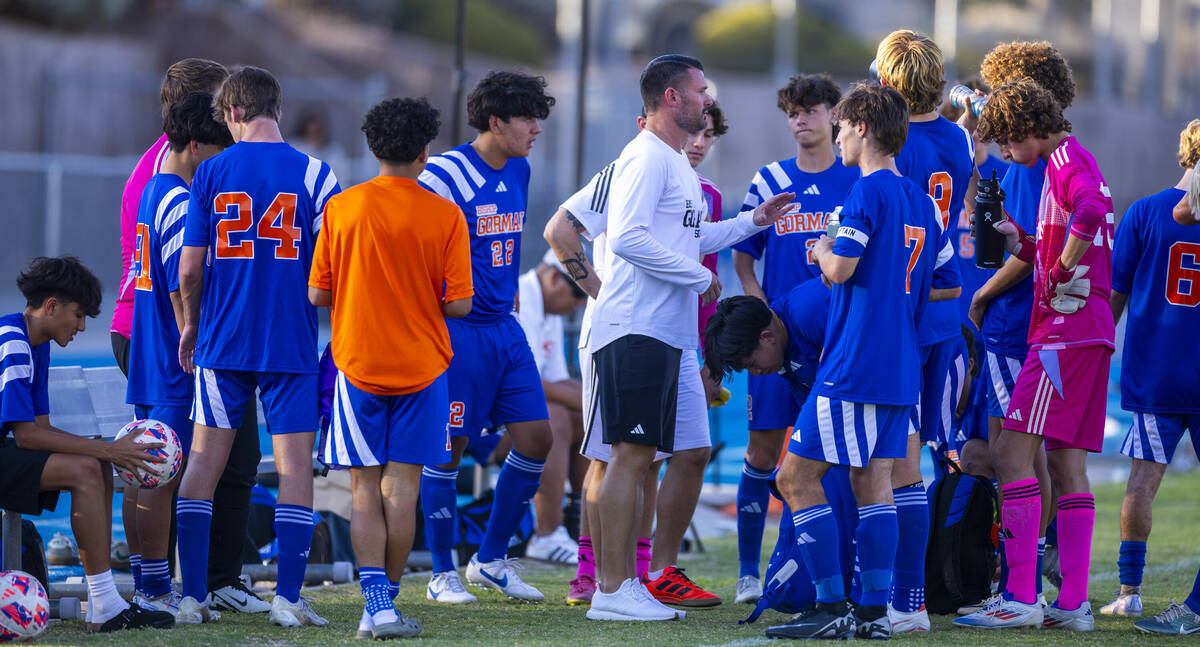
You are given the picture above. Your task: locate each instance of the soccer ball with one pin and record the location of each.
(153, 431)
(24, 607)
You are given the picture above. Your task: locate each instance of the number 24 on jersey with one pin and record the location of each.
(278, 223)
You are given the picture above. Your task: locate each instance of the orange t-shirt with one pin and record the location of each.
(391, 253)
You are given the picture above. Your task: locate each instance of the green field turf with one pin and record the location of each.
(1172, 559)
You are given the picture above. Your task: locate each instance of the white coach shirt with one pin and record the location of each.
(544, 332)
(656, 234)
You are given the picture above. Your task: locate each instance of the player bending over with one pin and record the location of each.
(391, 406)
(40, 460)
(1059, 397)
(158, 388)
(252, 222)
(858, 413)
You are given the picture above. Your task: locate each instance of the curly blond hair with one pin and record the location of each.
(1039, 61)
(1189, 144)
(1020, 109)
(913, 64)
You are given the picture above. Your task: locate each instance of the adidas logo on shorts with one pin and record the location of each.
(751, 507)
(444, 513)
(1016, 415)
(637, 431)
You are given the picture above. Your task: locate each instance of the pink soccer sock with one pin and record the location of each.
(643, 557)
(1021, 515)
(1076, 517)
(587, 560)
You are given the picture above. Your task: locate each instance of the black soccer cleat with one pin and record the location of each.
(137, 617)
(830, 621)
(872, 623)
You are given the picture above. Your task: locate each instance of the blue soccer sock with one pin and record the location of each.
(1041, 558)
(912, 517)
(156, 578)
(439, 504)
(1002, 584)
(293, 527)
(816, 535)
(193, 522)
(518, 482)
(1193, 600)
(1131, 562)
(753, 495)
(393, 589)
(877, 537)
(376, 590)
(135, 566)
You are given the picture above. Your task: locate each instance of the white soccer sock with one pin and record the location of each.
(384, 617)
(104, 603)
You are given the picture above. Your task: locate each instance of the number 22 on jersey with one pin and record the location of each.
(278, 223)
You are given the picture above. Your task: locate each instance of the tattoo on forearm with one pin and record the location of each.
(577, 267)
(579, 228)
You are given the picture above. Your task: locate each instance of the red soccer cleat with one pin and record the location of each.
(673, 587)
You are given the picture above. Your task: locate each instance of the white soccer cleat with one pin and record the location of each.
(1080, 619)
(294, 614)
(501, 574)
(1002, 613)
(904, 622)
(557, 547)
(748, 589)
(630, 603)
(237, 598)
(193, 612)
(1125, 604)
(168, 602)
(968, 609)
(448, 589)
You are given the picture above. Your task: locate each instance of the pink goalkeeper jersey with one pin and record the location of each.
(712, 196)
(1075, 200)
(131, 197)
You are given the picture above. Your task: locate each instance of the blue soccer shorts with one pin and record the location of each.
(840, 432)
(1000, 374)
(769, 403)
(493, 379)
(289, 399)
(944, 367)
(177, 417)
(367, 429)
(1155, 436)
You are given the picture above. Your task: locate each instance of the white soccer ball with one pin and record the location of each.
(153, 431)
(24, 607)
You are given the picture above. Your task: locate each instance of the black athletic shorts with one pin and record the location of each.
(637, 380)
(21, 477)
(120, 346)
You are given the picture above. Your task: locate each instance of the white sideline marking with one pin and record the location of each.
(1188, 564)
(745, 642)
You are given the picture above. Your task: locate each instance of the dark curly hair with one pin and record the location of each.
(399, 129)
(807, 90)
(732, 332)
(506, 94)
(1018, 110)
(1039, 61)
(883, 109)
(720, 126)
(191, 119)
(63, 278)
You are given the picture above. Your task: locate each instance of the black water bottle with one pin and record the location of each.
(989, 209)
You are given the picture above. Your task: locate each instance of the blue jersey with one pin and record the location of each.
(871, 351)
(24, 393)
(257, 208)
(493, 202)
(155, 377)
(788, 244)
(1006, 322)
(1156, 261)
(939, 155)
(973, 276)
(804, 311)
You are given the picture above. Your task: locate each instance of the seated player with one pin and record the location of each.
(547, 295)
(492, 378)
(158, 388)
(938, 156)
(859, 410)
(820, 181)
(1152, 251)
(1060, 395)
(252, 222)
(391, 409)
(40, 460)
